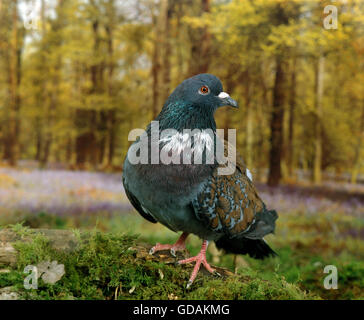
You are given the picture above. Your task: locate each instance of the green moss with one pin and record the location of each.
(105, 267)
(248, 285)
(20, 229)
(8, 279)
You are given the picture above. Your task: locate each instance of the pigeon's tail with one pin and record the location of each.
(256, 248)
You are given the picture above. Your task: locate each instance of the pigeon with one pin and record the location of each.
(187, 189)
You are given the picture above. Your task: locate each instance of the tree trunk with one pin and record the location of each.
(68, 155)
(111, 145)
(38, 144)
(180, 41)
(11, 140)
(158, 22)
(249, 120)
(319, 89)
(110, 117)
(39, 120)
(292, 106)
(358, 160)
(276, 125)
(200, 45)
(51, 94)
(206, 41)
(166, 78)
(87, 145)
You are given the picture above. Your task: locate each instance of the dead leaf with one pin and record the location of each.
(50, 272)
(161, 274)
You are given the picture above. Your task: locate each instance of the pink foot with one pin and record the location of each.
(200, 258)
(180, 245)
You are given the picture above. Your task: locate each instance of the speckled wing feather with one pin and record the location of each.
(229, 204)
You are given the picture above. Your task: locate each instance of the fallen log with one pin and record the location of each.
(59, 239)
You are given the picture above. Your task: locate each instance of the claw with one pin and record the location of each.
(173, 248)
(199, 259)
(189, 283)
(217, 274)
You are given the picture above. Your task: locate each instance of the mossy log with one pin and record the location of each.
(66, 240)
(59, 239)
(109, 266)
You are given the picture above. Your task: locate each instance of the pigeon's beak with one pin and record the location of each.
(226, 100)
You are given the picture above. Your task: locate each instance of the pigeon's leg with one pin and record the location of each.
(180, 245)
(200, 258)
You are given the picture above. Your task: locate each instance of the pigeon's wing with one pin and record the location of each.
(137, 205)
(229, 204)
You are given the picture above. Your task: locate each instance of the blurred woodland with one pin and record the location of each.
(80, 76)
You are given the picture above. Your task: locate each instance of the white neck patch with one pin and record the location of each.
(180, 141)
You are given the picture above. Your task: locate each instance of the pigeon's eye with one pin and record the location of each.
(204, 90)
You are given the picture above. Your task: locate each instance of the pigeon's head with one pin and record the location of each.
(202, 90)
(194, 101)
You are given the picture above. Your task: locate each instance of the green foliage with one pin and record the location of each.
(11, 279)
